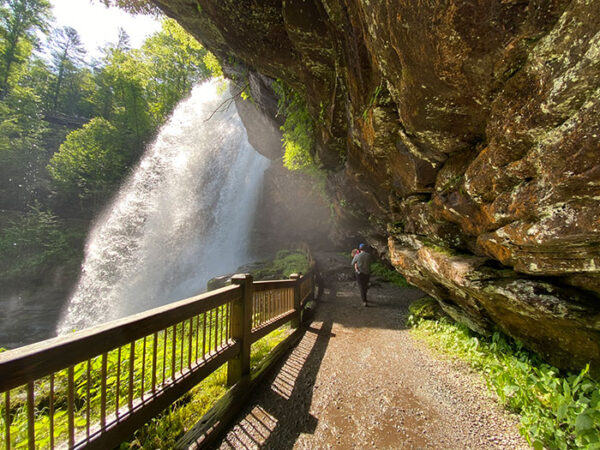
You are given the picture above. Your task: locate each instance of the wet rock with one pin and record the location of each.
(218, 282)
(560, 323)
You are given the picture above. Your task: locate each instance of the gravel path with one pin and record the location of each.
(358, 379)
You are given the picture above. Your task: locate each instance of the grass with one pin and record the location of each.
(164, 430)
(558, 410)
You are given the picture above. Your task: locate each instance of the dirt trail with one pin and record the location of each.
(358, 379)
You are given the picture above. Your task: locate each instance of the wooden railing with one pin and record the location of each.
(93, 388)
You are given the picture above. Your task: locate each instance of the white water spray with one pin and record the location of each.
(183, 217)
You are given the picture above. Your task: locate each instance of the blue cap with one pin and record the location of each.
(361, 246)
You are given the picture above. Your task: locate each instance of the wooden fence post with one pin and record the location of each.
(297, 307)
(241, 328)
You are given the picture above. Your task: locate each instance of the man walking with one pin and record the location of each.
(361, 263)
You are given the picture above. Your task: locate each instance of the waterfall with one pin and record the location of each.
(183, 216)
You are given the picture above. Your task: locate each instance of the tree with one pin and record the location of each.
(123, 41)
(32, 245)
(90, 162)
(176, 61)
(20, 20)
(127, 78)
(22, 155)
(67, 56)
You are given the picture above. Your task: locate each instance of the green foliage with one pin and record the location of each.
(67, 57)
(298, 129)
(387, 274)
(424, 308)
(175, 61)
(212, 65)
(22, 155)
(129, 107)
(33, 244)
(285, 263)
(89, 161)
(20, 23)
(134, 6)
(289, 262)
(124, 96)
(558, 411)
(165, 430)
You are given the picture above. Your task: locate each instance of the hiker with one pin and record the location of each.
(361, 263)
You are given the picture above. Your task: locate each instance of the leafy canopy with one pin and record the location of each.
(89, 160)
(20, 22)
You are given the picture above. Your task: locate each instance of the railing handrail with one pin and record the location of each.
(266, 285)
(228, 320)
(28, 363)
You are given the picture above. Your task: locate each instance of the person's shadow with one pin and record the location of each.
(279, 411)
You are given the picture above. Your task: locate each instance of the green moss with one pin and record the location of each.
(395, 228)
(452, 183)
(285, 263)
(388, 274)
(166, 430)
(162, 431)
(438, 248)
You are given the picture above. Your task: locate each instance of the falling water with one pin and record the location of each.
(183, 217)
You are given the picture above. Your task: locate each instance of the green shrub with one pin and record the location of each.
(89, 161)
(424, 308)
(557, 410)
(290, 261)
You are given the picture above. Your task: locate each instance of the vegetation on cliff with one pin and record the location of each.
(558, 410)
(298, 129)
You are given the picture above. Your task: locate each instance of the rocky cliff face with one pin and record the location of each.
(463, 134)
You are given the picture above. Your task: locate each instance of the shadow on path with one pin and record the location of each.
(280, 408)
(357, 379)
